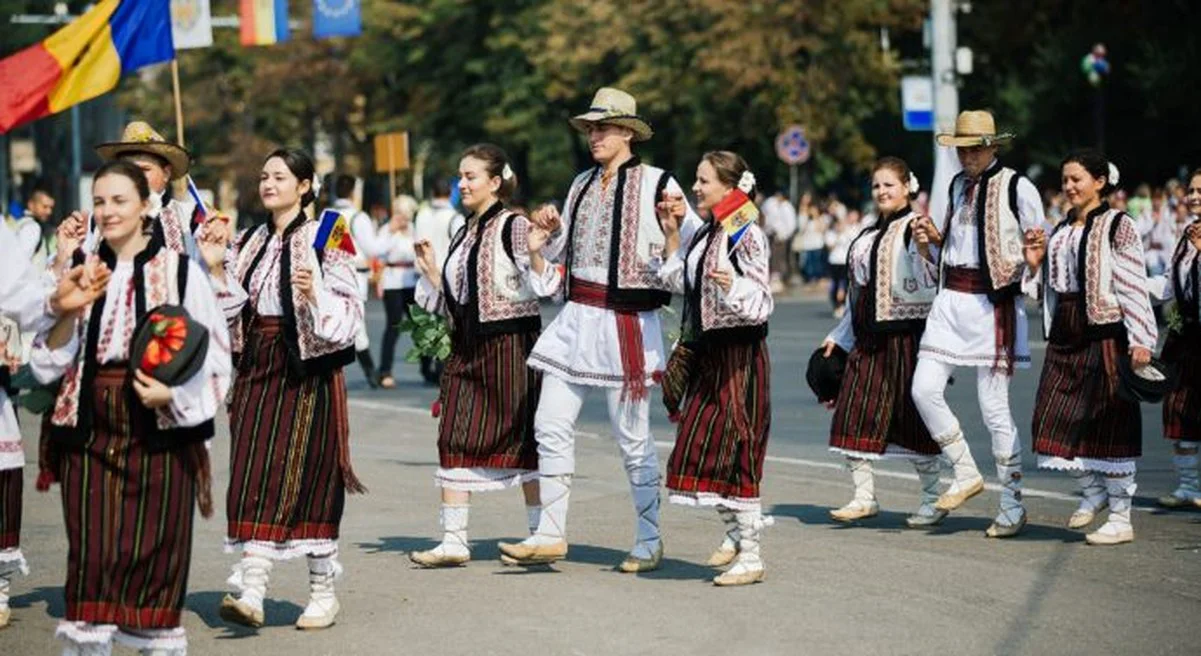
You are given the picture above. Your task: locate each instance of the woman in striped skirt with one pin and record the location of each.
(294, 311)
(130, 451)
(717, 384)
(1182, 406)
(1094, 287)
(488, 287)
(894, 281)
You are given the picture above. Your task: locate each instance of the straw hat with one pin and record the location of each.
(139, 137)
(974, 128)
(617, 107)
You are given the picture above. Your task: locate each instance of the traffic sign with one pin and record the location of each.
(917, 103)
(791, 145)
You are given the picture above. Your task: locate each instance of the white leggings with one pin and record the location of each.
(554, 428)
(992, 389)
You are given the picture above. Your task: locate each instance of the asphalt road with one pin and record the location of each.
(870, 588)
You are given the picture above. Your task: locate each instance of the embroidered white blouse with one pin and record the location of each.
(1162, 288)
(860, 271)
(750, 293)
(23, 293)
(399, 259)
(454, 269)
(339, 302)
(195, 401)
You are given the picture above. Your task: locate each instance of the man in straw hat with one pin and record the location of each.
(608, 336)
(978, 319)
(163, 163)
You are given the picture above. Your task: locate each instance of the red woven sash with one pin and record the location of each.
(629, 336)
(975, 281)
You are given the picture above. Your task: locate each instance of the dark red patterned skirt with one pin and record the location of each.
(488, 403)
(128, 513)
(722, 436)
(1182, 406)
(286, 439)
(11, 488)
(1077, 412)
(874, 406)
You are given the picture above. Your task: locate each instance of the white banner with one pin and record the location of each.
(191, 24)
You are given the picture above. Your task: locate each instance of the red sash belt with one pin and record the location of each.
(629, 336)
(975, 281)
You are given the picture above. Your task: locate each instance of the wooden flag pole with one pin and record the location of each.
(178, 103)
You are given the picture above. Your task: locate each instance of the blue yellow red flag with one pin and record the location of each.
(334, 233)
(84, 59)
(735, 213)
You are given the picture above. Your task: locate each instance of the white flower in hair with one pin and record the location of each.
(913, 185)
(507, 172)
(316, 185)
(1114, 175)
(747, 182)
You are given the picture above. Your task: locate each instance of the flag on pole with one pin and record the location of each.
(200, 214)
(333, 233)
(84, 59)
(263, 22)
(337, 18)
(191, 24)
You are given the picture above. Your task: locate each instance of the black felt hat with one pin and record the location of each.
(1148, 384)
(824, 374)
(169, 345)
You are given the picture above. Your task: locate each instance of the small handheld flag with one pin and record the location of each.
(736, 212)
(200, 215)
(333, 233)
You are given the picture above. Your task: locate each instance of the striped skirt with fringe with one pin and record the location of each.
(1182, 406)
(287, 485)
(1077, 411)
(488, 399)
(722, 436)
(128, 511)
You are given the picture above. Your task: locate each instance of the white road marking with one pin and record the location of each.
(783, 460)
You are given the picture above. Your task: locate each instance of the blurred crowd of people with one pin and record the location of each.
(810, 240)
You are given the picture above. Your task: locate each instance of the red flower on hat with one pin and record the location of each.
(167, 336)
(436, 409)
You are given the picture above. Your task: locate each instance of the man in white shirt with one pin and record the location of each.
(978, 319)
(30, 228)
(780, 224)
(436, 223)
(367, 245)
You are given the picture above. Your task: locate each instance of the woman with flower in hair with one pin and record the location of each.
(294, 311)
(717, 385)
(893, 281)
(1094, 289)
(128, 448)
(1182, 406)
(488, 285)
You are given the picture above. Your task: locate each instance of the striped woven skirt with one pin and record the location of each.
(488, 400)
(11, 488)
(722, 436)
(874, 415)
(286, 487)
(1182, 406)
(128, 512)
(1077, 411)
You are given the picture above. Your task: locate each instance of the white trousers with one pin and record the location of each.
(554, 428)
(992, 390)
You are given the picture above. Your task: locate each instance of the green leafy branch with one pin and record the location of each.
(1174, 319)
(431, 334)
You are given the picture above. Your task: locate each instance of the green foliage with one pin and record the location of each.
(430, 332)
